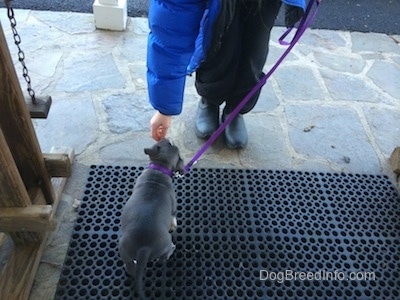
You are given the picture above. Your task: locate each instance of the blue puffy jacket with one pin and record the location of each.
(181, 33)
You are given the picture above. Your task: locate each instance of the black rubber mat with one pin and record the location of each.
(246, 234)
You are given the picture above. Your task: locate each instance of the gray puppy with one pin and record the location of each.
(148, 217)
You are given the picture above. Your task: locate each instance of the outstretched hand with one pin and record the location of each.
(159, 125)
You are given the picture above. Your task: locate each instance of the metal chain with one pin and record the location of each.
(21, 54)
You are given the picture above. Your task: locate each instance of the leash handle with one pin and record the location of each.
(305, 22)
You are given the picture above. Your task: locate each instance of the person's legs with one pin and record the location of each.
(216, 75)
(257, 25)
(230, 73)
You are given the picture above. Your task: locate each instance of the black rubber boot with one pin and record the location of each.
(207, 119)
(235, 132)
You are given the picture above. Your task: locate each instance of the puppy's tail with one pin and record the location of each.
(142, 259)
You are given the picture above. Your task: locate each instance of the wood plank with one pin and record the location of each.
(33, 218)
(17, 277)
(3, 238)
(395, 160)
(18, 129)
(58, 164)
(18, 274)
(60, 182)
(12, 188)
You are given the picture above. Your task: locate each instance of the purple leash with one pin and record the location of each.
(305, 22)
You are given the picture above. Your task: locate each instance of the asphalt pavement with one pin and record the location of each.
(350, 15)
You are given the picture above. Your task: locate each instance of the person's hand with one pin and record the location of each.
(292, 15)
(159, 125)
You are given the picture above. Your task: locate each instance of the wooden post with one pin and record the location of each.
(29, 197)
(23, 262)
(12, 190)
(18, 130)
(395, 160)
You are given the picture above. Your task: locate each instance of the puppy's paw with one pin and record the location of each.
(174, 224)
(173, 247)
(163, 258)
(129, 269)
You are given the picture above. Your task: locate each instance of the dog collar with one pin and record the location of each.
(161, 169)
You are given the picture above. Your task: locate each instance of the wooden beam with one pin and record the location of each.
(12, 188)
(60, 182)
(34, 218)
(18, 129)
(395, 160)
(18, 274)
(3, 238)
(58, 164)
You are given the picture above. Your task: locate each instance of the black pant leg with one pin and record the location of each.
(255, 45)
(233, 71)
(216, 75)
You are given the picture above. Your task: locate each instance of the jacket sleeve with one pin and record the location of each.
(174, 26)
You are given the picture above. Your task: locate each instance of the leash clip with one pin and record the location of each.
(178, 175)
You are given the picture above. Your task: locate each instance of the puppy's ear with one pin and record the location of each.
(152, 151)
